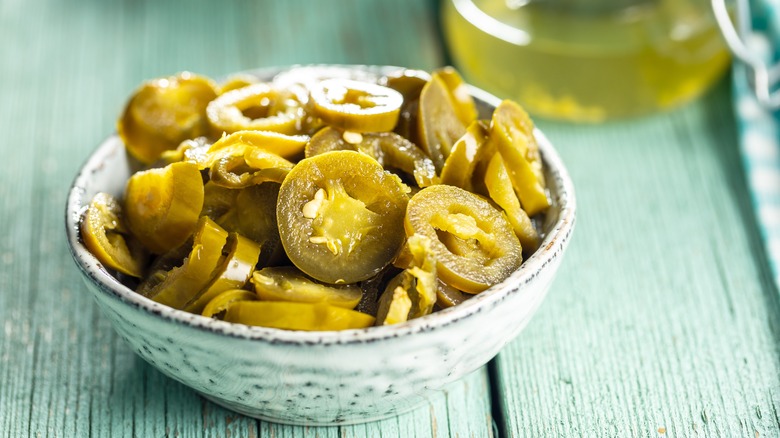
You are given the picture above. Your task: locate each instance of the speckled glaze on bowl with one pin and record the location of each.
(321, 378)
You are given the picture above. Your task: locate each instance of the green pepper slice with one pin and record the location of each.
(181, 284)
(162, 205)
(219, 305)
(164, 112)
(459, 168)
(448, 296)
(418, 281)
(387, 148)
(394, 306)
(287, 283)
(474, 245)
(256, 107)
(232, 273)
(438, 123)
(500, 189)
(513, 133)
(462, 101)
(297, 316)
(356, 106)
(341, 216)
(106, 237)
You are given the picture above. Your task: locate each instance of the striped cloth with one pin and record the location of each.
(759, 131)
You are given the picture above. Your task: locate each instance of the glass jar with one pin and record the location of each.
(587, 60)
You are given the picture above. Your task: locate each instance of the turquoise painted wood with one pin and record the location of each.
(663, 321)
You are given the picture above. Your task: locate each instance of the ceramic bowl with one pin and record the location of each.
(321, 378)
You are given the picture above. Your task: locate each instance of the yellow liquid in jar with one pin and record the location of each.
(587, 66)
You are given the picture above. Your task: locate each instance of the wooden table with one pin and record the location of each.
(663, 320)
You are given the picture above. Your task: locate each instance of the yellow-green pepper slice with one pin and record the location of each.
(394, 306)
(438, 123)
(287, 283)
(164, 112)
(387, 148)
(356, 106)
(240, 165)
(232, 273)
(219, 305)
(257, 107)
(448, 296)
(459, 168)
(106, 237)
(287, 146)
(464, 105)
(342, 216)
(182, 284)
(162, 205)
(500, 189)
(410, 84)
(513, 133)
(297, 316)
(418, 281)
(236, 81)
(474, 245)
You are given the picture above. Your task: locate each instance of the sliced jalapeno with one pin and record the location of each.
(286, 283)
(438, 123)
(219, 305)
(256, 107)
(459, 168)
(394, 306)
(462, 101)
(163, 113)
(105, 236)
(387, 148)
(448, 296)
(356, 106)
(235, 269)
(474, 245)
(341, 216)
(182, 284)
(162, 206)
(297, 316)
(500, 189)
(513, 133)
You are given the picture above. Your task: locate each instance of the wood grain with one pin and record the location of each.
(663, 320)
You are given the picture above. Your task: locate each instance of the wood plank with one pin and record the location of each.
(663, 319)
(63, 371)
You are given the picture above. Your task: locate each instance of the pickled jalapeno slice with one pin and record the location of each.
(162, 205)
(513, 133)
(258, 107)
(219, 305)
(501, 191)
(287, 283)
(341, 216)
(106, 237)
(474, 245)
(439, 125)
(181, 284)
(356, 106)
(163, 113)
(233, 272)
(296, 316)
(387, 148)
(459, 168)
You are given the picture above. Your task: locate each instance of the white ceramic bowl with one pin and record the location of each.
(321, 378)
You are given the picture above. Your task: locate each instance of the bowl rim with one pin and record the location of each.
(551, 247)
